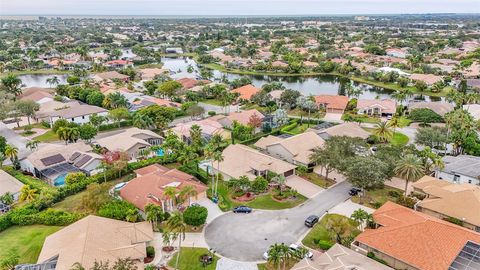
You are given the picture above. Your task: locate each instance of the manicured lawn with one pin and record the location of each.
(320, 232)
(318, 180)
(190, 259)
(399, 139)
(300, 128)
(301, 113)
(215, 102)
(48, 136)
(265, 201)
(376, 198)
(362, 118)
(26, 240)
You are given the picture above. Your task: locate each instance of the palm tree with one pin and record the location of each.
(218, 157)
(170, 193)
(27, 193)
(32, 145)
(394, 123)
(62, 134)
(11, 152)
(12, 84)
(360, 216)
(383, 132)
(2, 159)
(279, 255)
(410, 168)
(177, 225)
(188, 192)
(7, 198)
(132, 215)
(143, 122)
(154, 214)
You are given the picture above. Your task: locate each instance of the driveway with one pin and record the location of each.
(333, 117)
(15, 140)
(227, 264)
(304, 187)
(348, 207)
(244, 237)
(213, 210)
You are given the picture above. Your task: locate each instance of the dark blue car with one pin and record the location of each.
(242, 209)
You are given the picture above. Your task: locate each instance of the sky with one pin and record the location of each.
(234, 7)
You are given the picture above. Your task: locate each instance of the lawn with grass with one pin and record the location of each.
(317, 179)
(48, 136)
(190, 259)
(377, 197)
(399, 139)
(212, 101)
(319, 232)
(26, 240)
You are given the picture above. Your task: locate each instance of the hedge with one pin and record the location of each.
(126, 123)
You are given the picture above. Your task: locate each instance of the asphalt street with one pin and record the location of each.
(245, 237)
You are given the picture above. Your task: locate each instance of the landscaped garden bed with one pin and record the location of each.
(377, 197)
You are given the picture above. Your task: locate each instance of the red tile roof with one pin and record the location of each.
(151, 181)
(332, 101)
(415, 238)
(246, 91)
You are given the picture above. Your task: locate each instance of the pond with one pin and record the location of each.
(312, 85)
(40, 80)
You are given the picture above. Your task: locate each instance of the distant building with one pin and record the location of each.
(381, 107)
(332, 103)
(462, 169)
(176, 50)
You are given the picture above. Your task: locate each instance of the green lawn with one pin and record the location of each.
(376, 198)
(190, 259)
(399, 139)
(318, 179)
(300, 128)
(260, 202)
(214, 102)
(48, 136)
(26, 240)
(320, 232)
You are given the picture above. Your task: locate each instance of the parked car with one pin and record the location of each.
(354, 191)
(311, 221)
(296, 248)
(242, 209)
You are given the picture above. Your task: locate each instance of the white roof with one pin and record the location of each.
(9, 183)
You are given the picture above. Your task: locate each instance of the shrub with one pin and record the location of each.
(394, 194)
(212, 113)
(453, 220)
(259, 185)
(75, 177)
(116, 209)
(150, 252)
(195, 215)
(406, 201)
(58, 124)
(324, 244)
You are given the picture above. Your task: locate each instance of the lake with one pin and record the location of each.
(40, 80)
(312, 85)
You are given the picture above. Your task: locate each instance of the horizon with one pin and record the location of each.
(235, 8)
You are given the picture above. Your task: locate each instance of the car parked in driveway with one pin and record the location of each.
(311, 221)
(242, 209)
(297, 248)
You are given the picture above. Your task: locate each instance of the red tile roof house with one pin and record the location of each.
(119, 64)
(246, 92)
(381, 107)
(150, 184)
(332, 103)
(407, 239)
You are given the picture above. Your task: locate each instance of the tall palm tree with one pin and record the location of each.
(187, 192)
(32, 145)
(383, 132)
(218, 157)
(279, 255)
(170, 193)
(410, 168)
(11, 152)
(177, 225)
(2, 159)
(12, 84)
(62, 134)
(394, 123)
(53, 81)
(154, 214)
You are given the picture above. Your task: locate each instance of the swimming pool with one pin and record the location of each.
(60, 180)
(160, 153)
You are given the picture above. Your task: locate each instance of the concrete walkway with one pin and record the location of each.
(348, 207)
(227, 264)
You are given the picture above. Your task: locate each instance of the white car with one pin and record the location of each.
(296, 247)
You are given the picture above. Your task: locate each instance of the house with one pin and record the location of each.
(429, 79)
(133, 141)
(9, 184)
(346, 129)
(54, 161)
(395, 52)
(332, 103)
(462, 169)
(473, 84)
(208, 126)
(382, 107)
(296, 149)
(118, 64)
(175, 50)
(150, 184)
(94, 239)
(339, 257)
(439, 107)
(246, 92)
(37, 94)
(188, 83)
(110, 76)
(243, 117)
(474, 110)
(411, 240)
(240, 160)
(74, 112)
(445, 200)
(148, 74)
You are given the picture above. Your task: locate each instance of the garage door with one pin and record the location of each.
(288, 173)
